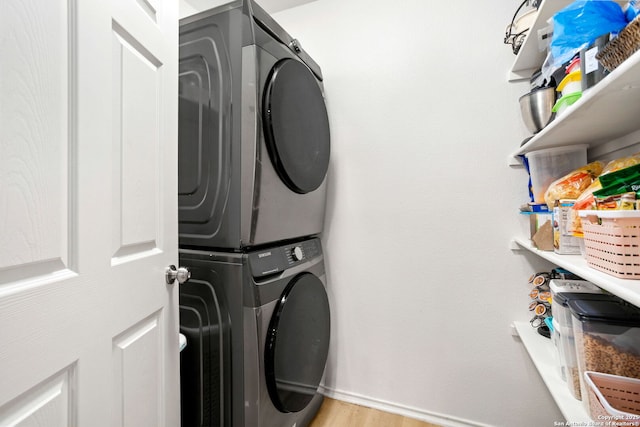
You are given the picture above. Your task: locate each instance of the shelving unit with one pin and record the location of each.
(607, 111)
(607, 118)
(530, 57)
(626, 289)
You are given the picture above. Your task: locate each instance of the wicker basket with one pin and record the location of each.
(612, 242)
(613, 400)
(620, 48)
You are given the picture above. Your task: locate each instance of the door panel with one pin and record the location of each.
(137, 366)
(50, 403)
(135, 168)
(88, 203)
(34, 174)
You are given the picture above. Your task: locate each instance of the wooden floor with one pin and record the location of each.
(335, 413)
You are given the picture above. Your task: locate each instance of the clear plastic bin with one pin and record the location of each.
(607, 339)
(572, 287)
(547, 165)
(556, 340)
(562, 315)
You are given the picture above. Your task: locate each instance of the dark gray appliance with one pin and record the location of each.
(254, 139)
(263, 318)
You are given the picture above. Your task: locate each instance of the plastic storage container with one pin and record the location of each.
(607, 334)
(567, 351)
(572, 83)
(547, 165)
(555, 339)
(565, 102)
(570, 289)
(592, 70)
(611, 240)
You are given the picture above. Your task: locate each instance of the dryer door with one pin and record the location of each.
(297, 343)
(296, 126)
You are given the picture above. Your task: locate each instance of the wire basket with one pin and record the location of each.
(620, 48)
(613, 399)
(612, 242)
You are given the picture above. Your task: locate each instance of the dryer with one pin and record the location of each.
(254, 141)
(269, 332)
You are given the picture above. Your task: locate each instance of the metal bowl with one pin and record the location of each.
(536, 106)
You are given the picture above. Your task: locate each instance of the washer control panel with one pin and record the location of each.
(275, 260)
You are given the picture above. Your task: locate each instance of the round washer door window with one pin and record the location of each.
(297, 343)
(296, 126)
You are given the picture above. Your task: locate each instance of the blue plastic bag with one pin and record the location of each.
(633, 10)
(579, 24)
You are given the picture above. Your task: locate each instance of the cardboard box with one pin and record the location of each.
(564, 242)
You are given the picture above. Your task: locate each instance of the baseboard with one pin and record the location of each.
(394, 408)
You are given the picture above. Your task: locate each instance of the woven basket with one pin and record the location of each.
(617, 50)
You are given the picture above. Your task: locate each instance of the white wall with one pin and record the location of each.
(422, 206)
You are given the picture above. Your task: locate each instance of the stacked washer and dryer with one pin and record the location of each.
(253, 157)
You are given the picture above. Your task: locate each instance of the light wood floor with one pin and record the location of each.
(335, 413)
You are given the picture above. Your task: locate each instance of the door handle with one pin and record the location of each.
(181, 274)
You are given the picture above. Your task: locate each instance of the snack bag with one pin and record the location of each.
(585, 200)
(573, 184)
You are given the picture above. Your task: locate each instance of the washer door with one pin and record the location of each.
(296, 126)
(297, 343)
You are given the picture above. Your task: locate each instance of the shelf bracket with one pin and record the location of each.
(514, 246)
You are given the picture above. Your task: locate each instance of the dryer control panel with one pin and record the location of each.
(270, 261)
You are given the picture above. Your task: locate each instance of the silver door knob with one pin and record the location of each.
(181, 274)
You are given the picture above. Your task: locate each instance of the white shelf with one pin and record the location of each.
(530, 58)
(626, 289)
(607, 111)
(543, 354)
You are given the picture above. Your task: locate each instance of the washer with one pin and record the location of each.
(269, 336)
(254, 142)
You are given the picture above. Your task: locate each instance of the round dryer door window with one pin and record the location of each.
(297, 343)
(296, 126)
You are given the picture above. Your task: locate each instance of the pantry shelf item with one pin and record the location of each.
(573, 184)
(607, 335)
(548, 165)
(569, 357)
(592, 70)
(622, 47)
(562, 291)
(572, 83)
(614, 399)
(536, 106)
(612, 242)
(565, 102)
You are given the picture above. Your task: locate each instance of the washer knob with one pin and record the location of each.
(296, 253)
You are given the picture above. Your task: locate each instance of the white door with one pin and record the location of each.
(88, 213)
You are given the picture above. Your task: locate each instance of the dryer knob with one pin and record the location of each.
(296, 253)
